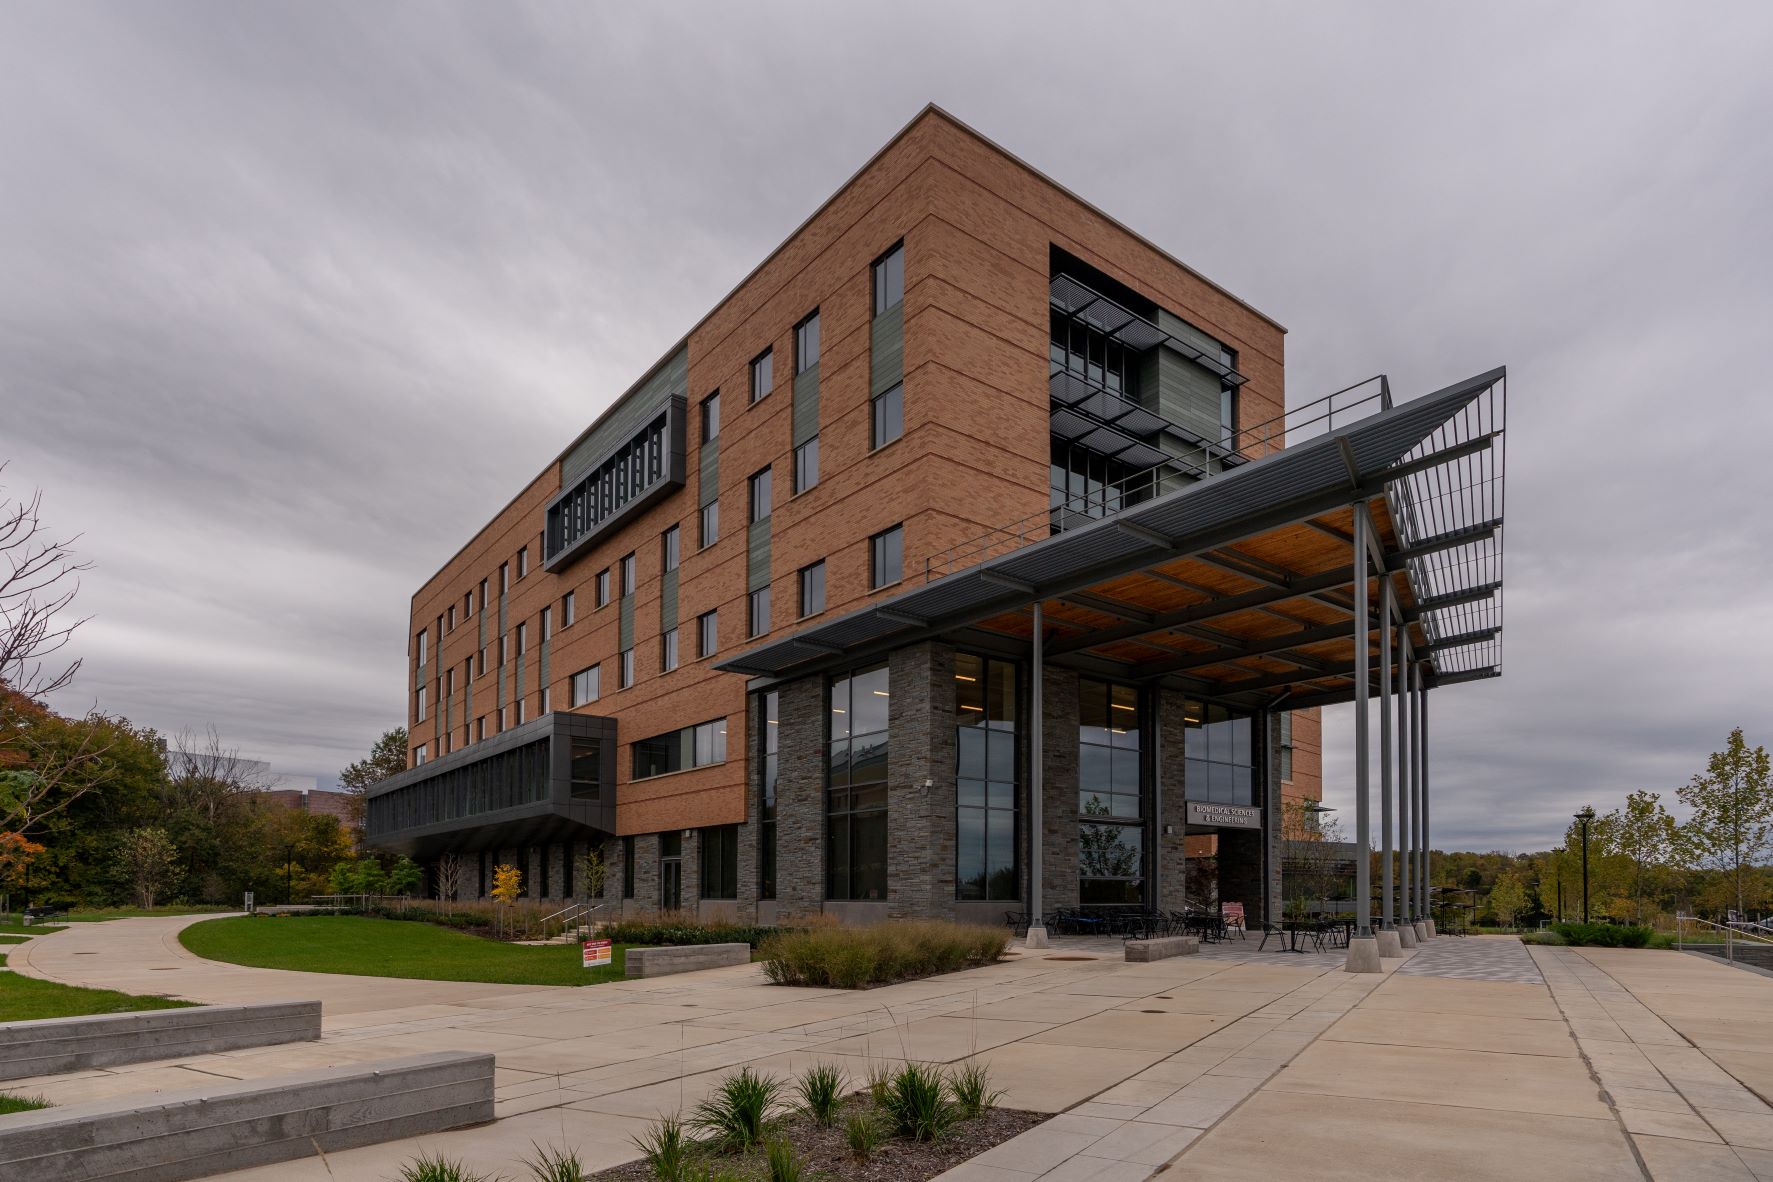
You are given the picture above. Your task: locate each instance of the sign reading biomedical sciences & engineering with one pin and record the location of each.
(597, 953)
(1232, 816)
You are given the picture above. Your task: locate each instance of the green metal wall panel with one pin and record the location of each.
(886, 351)
(709, 488)
(757, 555)
(806, 405)
(668, 601)
(626, 628)
(631, 412)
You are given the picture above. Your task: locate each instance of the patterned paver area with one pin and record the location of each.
(1475, 958)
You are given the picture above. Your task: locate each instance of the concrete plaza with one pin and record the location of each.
(1473, 1058)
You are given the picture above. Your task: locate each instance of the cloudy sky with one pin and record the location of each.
(293, 296)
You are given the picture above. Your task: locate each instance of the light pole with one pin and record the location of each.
(1585, 816)
(1559, 855)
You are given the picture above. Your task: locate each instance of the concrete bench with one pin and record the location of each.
(50, 1046)
(685, 958)
(1162, 948)
(235, 1124)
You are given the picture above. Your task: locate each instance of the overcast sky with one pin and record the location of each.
(294, 296)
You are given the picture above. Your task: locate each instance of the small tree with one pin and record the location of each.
(592, 872)
(1508, 898)
(449, 878)
(17, 852)
(404, 877)
(149, 860)
(1645, 834)
(507, 886)
(386, 757)
(1732, 823)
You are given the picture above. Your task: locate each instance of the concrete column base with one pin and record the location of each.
(1363, 956)
(1429, 924)
(1422, 932)
(1037, 938)
(1389, 947)
(1406, 935)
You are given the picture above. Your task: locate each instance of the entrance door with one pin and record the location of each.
(671, 871)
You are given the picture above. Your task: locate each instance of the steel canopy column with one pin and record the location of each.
(1389, 945)
(1037, 922)
(1422, 813)
(1417, 725)
(1363, 949)
(1406, 933)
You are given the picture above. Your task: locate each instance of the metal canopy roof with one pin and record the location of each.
(1239, 587)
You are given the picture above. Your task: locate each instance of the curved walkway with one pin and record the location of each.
(145, 956)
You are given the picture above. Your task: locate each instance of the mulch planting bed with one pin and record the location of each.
(826, 1152)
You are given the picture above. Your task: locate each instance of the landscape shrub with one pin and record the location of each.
(742, 1111)
(821, 1093)
(1547, 938)
(857, 957)
(678, 928)
(1603, 935)
(918, 1105)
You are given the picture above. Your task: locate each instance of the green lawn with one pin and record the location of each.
(13, 927)
(94, 914)
(10, 1102)
(13, 939)
(389, 948)
(23, 998)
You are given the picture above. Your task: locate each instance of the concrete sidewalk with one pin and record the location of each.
(1466, 1063)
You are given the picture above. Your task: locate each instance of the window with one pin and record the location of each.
(806, 465)
(720, 862)
(812, 589)
(452, 681)
(504, 577)
(856, 787)
(601, 595)
(886, 558)
(711, 417)
(766, 813)
(587, 778)
(585, 685)
(627, 568)
(483, 595)
(670, 870)
(1286, 745)
(758, 604)
(806, 344)
(547, 624)
(889, 414)
(568, 610)
(710, 523)
(468, 606)
(522, 639)
(547, 699)
(480, 728)
(452, 617)
(627, 868)
(668, 650)
(1111, 842)
(1228, 400)
(985, 779)
(680, 750)
(522, 561)
(521, 703)
(611, 491)
(1218, 750)
(760, 495)
(762, 378)
(422, 645)
(502, 640)
(418, 755)
(480, 657)
(668, 552)
(889, 279)
(421, 702)
(626, 672)
(707, 633)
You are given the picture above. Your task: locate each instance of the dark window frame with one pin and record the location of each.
(882, 548)
(815, 572)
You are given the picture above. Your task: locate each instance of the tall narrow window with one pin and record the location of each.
(710, 523)
(522, 639)
(758, 614)
(812, 589)
(886, 558)
(806, 343)
(720, 862)
(422, 645)
(547, 699)
(889, 279)
(668, 650)
(762, 375)
(670, 870)
(421, 703)
(522, 561)
(760, 495)
(889, 414)
(468, 606)
(567, 613)
(711, 417)
(628, 569)
(601, 596)
(668, 553)
(504, 577)
(627, 868)
(856, 787)
(806, 465)
(766, 812)
(707, 633)
(985, 778)
(627, 668)
(452, 617)
(483, 595)
(1228, 401)
(1111, 830)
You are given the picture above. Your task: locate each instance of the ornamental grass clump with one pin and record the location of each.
(820, 1088)
(917, 1103)
(742, 1110)
(665, 1147)
(784, 1164)
(555, 1165)
(426, 1168)
(900, 950)
(973, 1094)
(863, 1133)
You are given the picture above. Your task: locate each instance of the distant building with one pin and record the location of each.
(312, 800)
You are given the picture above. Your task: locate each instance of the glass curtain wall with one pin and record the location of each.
(1111, 795)
(985, 778)
(856, 787)
(1219, 751)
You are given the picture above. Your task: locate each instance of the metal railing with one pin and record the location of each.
(1732, 933)
(570, 918)
(1318, 417)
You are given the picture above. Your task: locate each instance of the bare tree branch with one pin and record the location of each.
(39, 578)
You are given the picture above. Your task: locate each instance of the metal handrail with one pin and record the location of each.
(1113, 497)
(570, 917)
(1731, 935)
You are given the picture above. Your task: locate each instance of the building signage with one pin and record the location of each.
(1234, 816)
(597, 953)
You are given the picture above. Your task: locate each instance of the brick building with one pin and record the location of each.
(953, 360)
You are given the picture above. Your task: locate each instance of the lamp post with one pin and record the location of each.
(1559, 855)
(1585, 816)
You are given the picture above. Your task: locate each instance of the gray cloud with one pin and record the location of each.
(297, 294)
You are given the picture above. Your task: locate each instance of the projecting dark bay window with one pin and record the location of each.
(720, 862)
(766, 812)
(641, 469)
(856, 787)
(1111, 829)
(1219, 749)
(679, 750)
(985, 778)
(586, 762)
